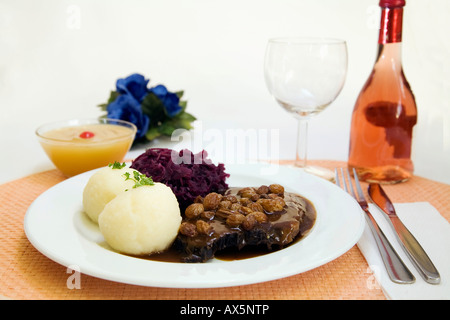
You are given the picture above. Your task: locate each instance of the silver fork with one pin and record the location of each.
(396, 269)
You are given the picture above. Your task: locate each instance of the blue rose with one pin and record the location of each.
(135, 85)
(170, 100)
(126, 107)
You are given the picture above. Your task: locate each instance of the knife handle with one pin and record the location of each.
(396, 269)
(415, 252)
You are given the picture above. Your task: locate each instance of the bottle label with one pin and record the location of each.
(391, 25)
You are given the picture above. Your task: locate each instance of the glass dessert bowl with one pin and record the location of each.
(79, 145)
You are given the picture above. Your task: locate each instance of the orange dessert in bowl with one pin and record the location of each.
(76, 146)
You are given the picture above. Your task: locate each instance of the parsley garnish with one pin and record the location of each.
(139, 179)
(116, 165)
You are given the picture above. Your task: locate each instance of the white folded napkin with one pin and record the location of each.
(433, 233)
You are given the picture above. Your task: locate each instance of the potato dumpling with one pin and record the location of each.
(142, 220)
(102, 187)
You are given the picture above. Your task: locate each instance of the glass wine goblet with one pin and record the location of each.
(305, 75)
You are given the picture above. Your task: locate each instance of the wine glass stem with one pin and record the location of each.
(302, 139)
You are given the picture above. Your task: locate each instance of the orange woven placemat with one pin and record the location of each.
(27, 274)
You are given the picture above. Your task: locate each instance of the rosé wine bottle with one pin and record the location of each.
(385, 111)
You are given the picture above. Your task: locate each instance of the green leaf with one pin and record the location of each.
(112, 96)
(167, 128)
(186, 116)
(152, 133)
(102, 106)
(184, 120)
(183, 105)
(180, 121)
(154, 108)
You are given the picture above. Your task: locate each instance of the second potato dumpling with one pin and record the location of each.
(142, 220)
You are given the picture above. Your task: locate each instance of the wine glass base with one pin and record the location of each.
(321, 172)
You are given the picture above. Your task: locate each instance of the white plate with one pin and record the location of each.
(56, 226)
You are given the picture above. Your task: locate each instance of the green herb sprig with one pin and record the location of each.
(139, 179)
(117, 165)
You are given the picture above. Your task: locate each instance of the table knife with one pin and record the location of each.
(410, 245)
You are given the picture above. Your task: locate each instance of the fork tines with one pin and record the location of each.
(347, 184)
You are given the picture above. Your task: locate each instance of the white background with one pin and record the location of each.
(59, 59)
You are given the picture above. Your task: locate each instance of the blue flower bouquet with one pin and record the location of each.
(155, 111)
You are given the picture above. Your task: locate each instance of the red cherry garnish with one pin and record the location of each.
(86, 135)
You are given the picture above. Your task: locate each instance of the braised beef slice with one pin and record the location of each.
(278, 230)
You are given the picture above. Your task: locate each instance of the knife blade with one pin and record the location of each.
(410, 245)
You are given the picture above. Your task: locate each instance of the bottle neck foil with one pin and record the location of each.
(391, 25)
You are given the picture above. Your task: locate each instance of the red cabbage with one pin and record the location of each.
(188, 175)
